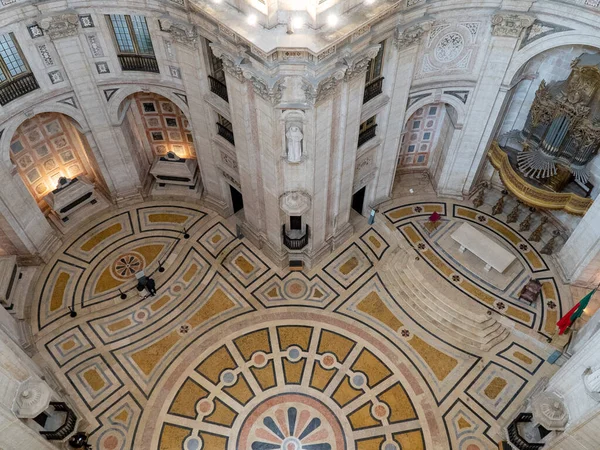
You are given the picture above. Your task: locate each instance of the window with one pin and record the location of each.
(433, 110)
(367, 130)
(426, 136)
(376, 65)
(224, 129)
(131, 34)
(12, 63)
(416, 125)
(133, 42)
(16, 78)
(216, 64)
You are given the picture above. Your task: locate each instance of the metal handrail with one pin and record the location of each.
(225, 133)
(17, 87)
(296, 243)
(139, 63)
(373, 89)
(367, 134)
(219, 88)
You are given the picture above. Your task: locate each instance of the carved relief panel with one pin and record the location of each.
(451, 48)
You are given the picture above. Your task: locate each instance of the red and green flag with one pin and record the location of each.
(567, 320)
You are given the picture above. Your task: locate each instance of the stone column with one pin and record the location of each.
(22, 389)
(117, 168)
(194, 75)
(463, 161)
(579, 258)
(23, 215)
(403, 60)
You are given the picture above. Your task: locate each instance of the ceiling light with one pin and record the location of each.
(252, 19)
(369, 2)
(297, 22)
(332, 20)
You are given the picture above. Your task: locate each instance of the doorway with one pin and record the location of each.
(358, 200)
(236, 199)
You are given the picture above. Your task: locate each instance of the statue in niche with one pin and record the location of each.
(294, 144)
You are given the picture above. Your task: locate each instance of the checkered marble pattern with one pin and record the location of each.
(234, 352)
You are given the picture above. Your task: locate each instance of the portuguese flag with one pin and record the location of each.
(567, 320)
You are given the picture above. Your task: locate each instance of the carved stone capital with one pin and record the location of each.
(358, 64)
(295, 203)
(410, 36)
(182, 33)
(232, 60)
(325, 87)
(270, 90)
(60, 26)
(510, 25)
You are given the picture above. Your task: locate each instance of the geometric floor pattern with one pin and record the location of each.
(233, 353)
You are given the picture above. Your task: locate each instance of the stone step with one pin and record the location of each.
(475, 330)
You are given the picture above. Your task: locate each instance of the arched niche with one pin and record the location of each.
(427, 136)
(48, 146)
(154, 125)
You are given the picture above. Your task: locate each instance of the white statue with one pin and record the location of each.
(294, 144)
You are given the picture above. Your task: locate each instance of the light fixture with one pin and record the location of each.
(369, 2)
(297, 22)
(332, 20)
(252, 19)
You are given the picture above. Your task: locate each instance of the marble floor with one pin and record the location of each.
(395, 342)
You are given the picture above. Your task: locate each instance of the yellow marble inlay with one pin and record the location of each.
(94, 379)
(441, 364)
(495, 387)
(401, 212)
(293, 371)
(213, 442)
(362, 418)
(476, 292)
(273, 293)
(345, 393)
(551, 319)
(321, 377)
(526, 359)
(334, 343)
(462, 423)
(240, 390)
(216, 238)
(58, 293)
(172, 437)
(372, 367)
(374, 306)
(100, 236)
(265, 376)
(244, 265)
(375, 241)
(119, 325)
(122, 417)
(106, 282)
(185, 401)
(216, 304)
(216, 363)
(292, 335)
(349, 265)
(438, 262)
(66, 346)
(221, 415)
(399, 403)
(518, 314)
(253, 342)
(167, 218)
(190, 273)
(413, 440)
(370, 443)
(147, 358)
(160, 302)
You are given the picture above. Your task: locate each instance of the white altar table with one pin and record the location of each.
(493, 254)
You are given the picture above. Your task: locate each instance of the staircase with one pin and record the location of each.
(430, 300)
(67, 428)
(516, 439)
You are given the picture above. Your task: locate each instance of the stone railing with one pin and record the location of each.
(531, 195)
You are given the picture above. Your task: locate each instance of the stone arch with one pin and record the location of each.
(117, 101)
(11, 126)
(45, 146)
(523, 56)
(458, 105)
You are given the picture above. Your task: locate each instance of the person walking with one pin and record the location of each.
(151, 286)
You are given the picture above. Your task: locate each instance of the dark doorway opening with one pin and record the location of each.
(358, 200)
(41, 419)
(295, 222)
(236, 199)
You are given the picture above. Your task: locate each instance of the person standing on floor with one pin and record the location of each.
(151, 286)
